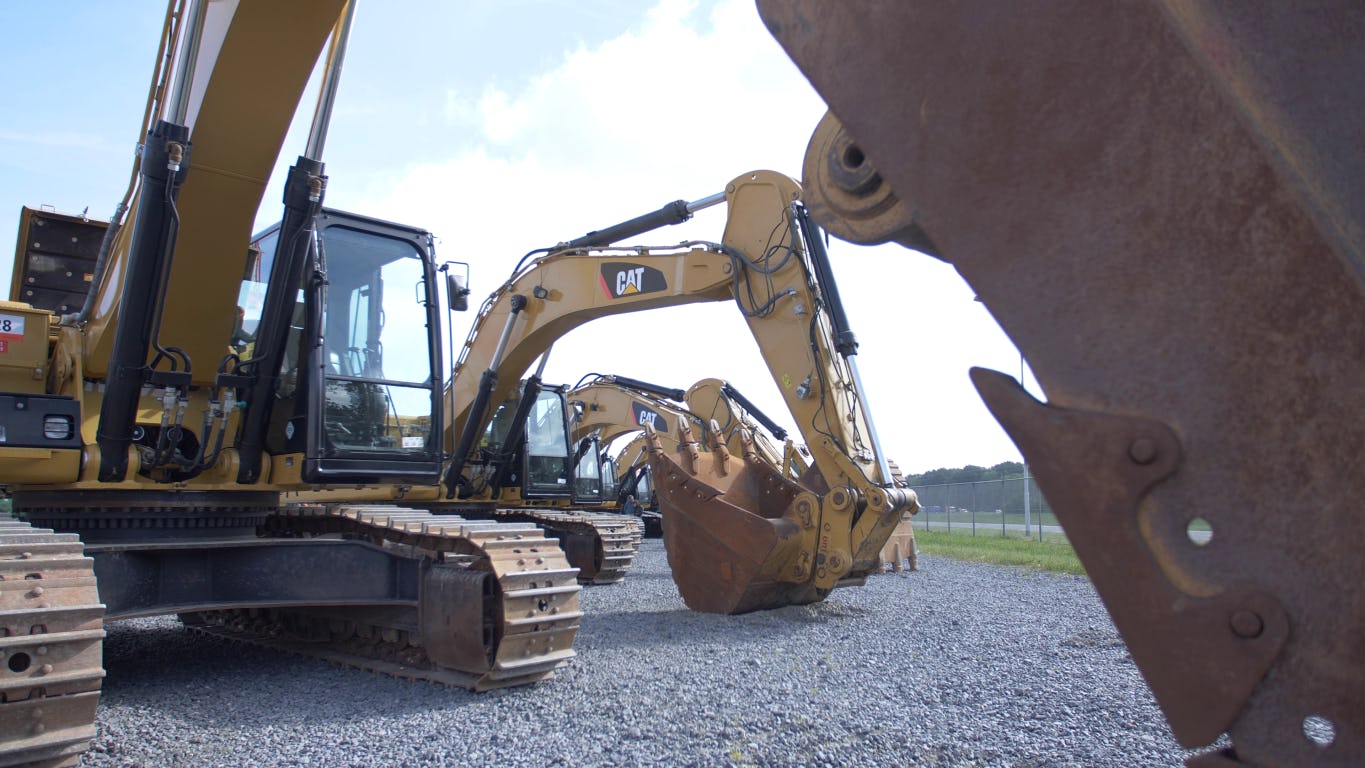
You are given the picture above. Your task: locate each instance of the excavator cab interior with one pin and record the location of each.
(588, 477)
(547, 447)
(366, 399)
(639, 482)
(608, 467)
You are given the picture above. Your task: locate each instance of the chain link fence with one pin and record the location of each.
(987, 507)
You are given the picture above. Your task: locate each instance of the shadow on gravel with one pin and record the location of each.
(634, 576)
(213, 682)
(654, 629)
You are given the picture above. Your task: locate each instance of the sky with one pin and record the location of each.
(508, 125)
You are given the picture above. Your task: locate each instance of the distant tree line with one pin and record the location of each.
(1005, 470)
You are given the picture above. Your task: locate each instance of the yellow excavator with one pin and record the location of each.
(608, 407)
(1161, 204)
(147, 440)
(785, 290)
(746, 537)
(717, 402)
(166, 387)
(770, 263)
(614, 406)
(526, 466)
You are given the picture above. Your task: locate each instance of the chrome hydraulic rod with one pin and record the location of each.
(189, 57)
(336, 56)
(845, 342)
(861, 393)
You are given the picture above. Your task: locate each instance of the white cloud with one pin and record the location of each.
(504, 121)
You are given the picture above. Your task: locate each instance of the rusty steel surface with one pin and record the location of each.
(1162, 208)
(1096, 469)
(899, 552)
(850, 197)
(601, 545)
(51, 638)
(732, 544)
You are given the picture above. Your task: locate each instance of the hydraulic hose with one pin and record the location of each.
(487, 382)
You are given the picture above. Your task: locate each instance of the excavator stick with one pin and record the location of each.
(730, 527)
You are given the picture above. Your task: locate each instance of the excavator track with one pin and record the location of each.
(525, 625)
(602, 545)
(51, 641)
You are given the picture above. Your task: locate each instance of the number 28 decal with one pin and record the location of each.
(12, 327)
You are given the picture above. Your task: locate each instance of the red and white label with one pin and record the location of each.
(11, 327)
(4, 346)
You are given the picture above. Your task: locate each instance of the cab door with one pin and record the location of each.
(376, 413)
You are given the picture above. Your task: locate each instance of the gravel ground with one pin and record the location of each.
(956, 665)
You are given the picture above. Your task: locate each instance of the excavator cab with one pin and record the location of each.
(359, 389)
(526, 446)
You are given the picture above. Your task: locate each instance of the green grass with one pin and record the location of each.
(1052, 555)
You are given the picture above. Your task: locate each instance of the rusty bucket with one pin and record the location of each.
(731, 530)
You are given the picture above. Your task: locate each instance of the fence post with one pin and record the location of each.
(973, 510)
(1003, 517)
(1040, 521)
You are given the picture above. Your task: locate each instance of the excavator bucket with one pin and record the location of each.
(730, 527)
(899, 552)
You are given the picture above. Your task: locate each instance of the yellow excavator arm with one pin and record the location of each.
(711, 404)
(612, 406)
(234, 129)
(772, 264)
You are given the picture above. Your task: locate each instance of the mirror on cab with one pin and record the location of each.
(457, 291)
(457, 287)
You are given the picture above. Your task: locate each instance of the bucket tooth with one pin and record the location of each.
(689, 454)
(719, 450)
(750, 450)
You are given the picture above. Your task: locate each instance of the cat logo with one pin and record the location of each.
(647, 417)
(621, 279)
